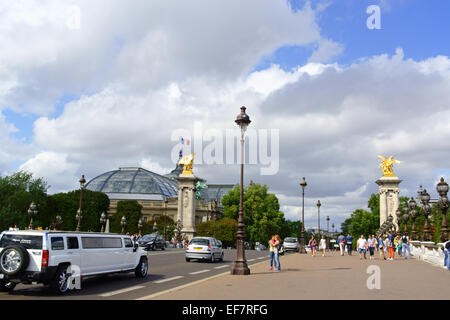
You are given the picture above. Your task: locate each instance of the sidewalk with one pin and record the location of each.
(330, 277)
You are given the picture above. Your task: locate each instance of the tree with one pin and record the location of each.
(132, 211)
(224, 230)
(16, 194)
(262, 215)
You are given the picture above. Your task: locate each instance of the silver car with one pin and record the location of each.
(291, 244)
(204, 248)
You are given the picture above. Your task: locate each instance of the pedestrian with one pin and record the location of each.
(278, 249)
(399, 245)
(323, 245)
(447, 255)
(341, 242)
(362, 247)
(391, 247)
(381, 246)
(349, 240)
(312, 245)
(371, 245)
(405, 245)
(272, 248)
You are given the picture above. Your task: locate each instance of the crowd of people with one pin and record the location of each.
(386, 246)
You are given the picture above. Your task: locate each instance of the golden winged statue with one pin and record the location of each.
(386, 165)
(188, 163)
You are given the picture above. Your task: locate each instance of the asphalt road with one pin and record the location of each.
(167, 269)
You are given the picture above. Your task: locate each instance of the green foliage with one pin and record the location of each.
(16, 194)
(262, 215)
(224, 230)
(132, 211)
(162, 222)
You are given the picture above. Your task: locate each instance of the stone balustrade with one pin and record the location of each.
(428, 251)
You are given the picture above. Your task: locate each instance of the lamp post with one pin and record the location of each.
(165, 216)
(328, 231)
(123, 223)
(58, 222)
(155, 227)
(318, 216)
(413, 214)
(79, 212)
(303, 184)
(139, 226)
(240, 265)
(426, 210)
(103, 221)
(32, 211)
(405, 217)
(442, 189)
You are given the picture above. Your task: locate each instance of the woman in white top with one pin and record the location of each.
(323, 245)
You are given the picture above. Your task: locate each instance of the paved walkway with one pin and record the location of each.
(329, 277)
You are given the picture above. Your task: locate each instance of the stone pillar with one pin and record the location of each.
(389, 199)
(186, 204)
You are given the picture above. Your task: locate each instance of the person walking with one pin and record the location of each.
(447, 255)
(341, 242)
(405, 245)
(371, 245)
(390, 246)
(348, 241)
(312, 245)
(399, 246)
(323, 245)
(362, 247)
(381, 246)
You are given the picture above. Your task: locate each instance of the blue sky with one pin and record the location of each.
(420, 27)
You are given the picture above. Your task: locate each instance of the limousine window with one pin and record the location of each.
(57, 243)
(100, 242)
(27, 241)
(72, 243)
(128, 243)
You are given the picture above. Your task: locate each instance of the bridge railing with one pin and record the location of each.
(428, 251)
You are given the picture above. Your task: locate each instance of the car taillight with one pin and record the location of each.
(45, 257)
(209, 247)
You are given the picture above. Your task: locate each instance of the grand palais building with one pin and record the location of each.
(158, 194)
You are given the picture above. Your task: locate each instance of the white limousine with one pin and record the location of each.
(54, 258)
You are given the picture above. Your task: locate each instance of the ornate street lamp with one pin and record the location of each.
(318, 216)
(303, 184)
(328, 231)
(79, 212)
(178, 229)
(240, 265)
(442, 189)
(155, 227)
(32, 211)
(405, 217)
(103, 221)
(413, 214)
(140, 225)
(123, 223)
(426, 210)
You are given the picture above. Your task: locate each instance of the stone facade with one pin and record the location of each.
(389, 198)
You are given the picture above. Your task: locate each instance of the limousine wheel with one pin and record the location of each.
(142, 268)
(14, 259)
(60, 283)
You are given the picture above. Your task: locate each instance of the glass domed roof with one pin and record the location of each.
(137, 181)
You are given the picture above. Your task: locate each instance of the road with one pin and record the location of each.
(167, 269)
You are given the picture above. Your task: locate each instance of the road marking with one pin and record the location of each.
(221, 267)
(151, 296)
(251, 260)
(113, 293)
(261, 258)
(201, 271)
(168, 279)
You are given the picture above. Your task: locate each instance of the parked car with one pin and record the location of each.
(260, 247)
(204, 248)
(152, 242)
(291, 244)
(50, 257)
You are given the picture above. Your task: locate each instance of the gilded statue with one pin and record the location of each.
(188, 163)
(386, 165)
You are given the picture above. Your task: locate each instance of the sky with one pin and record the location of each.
(90, 86)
